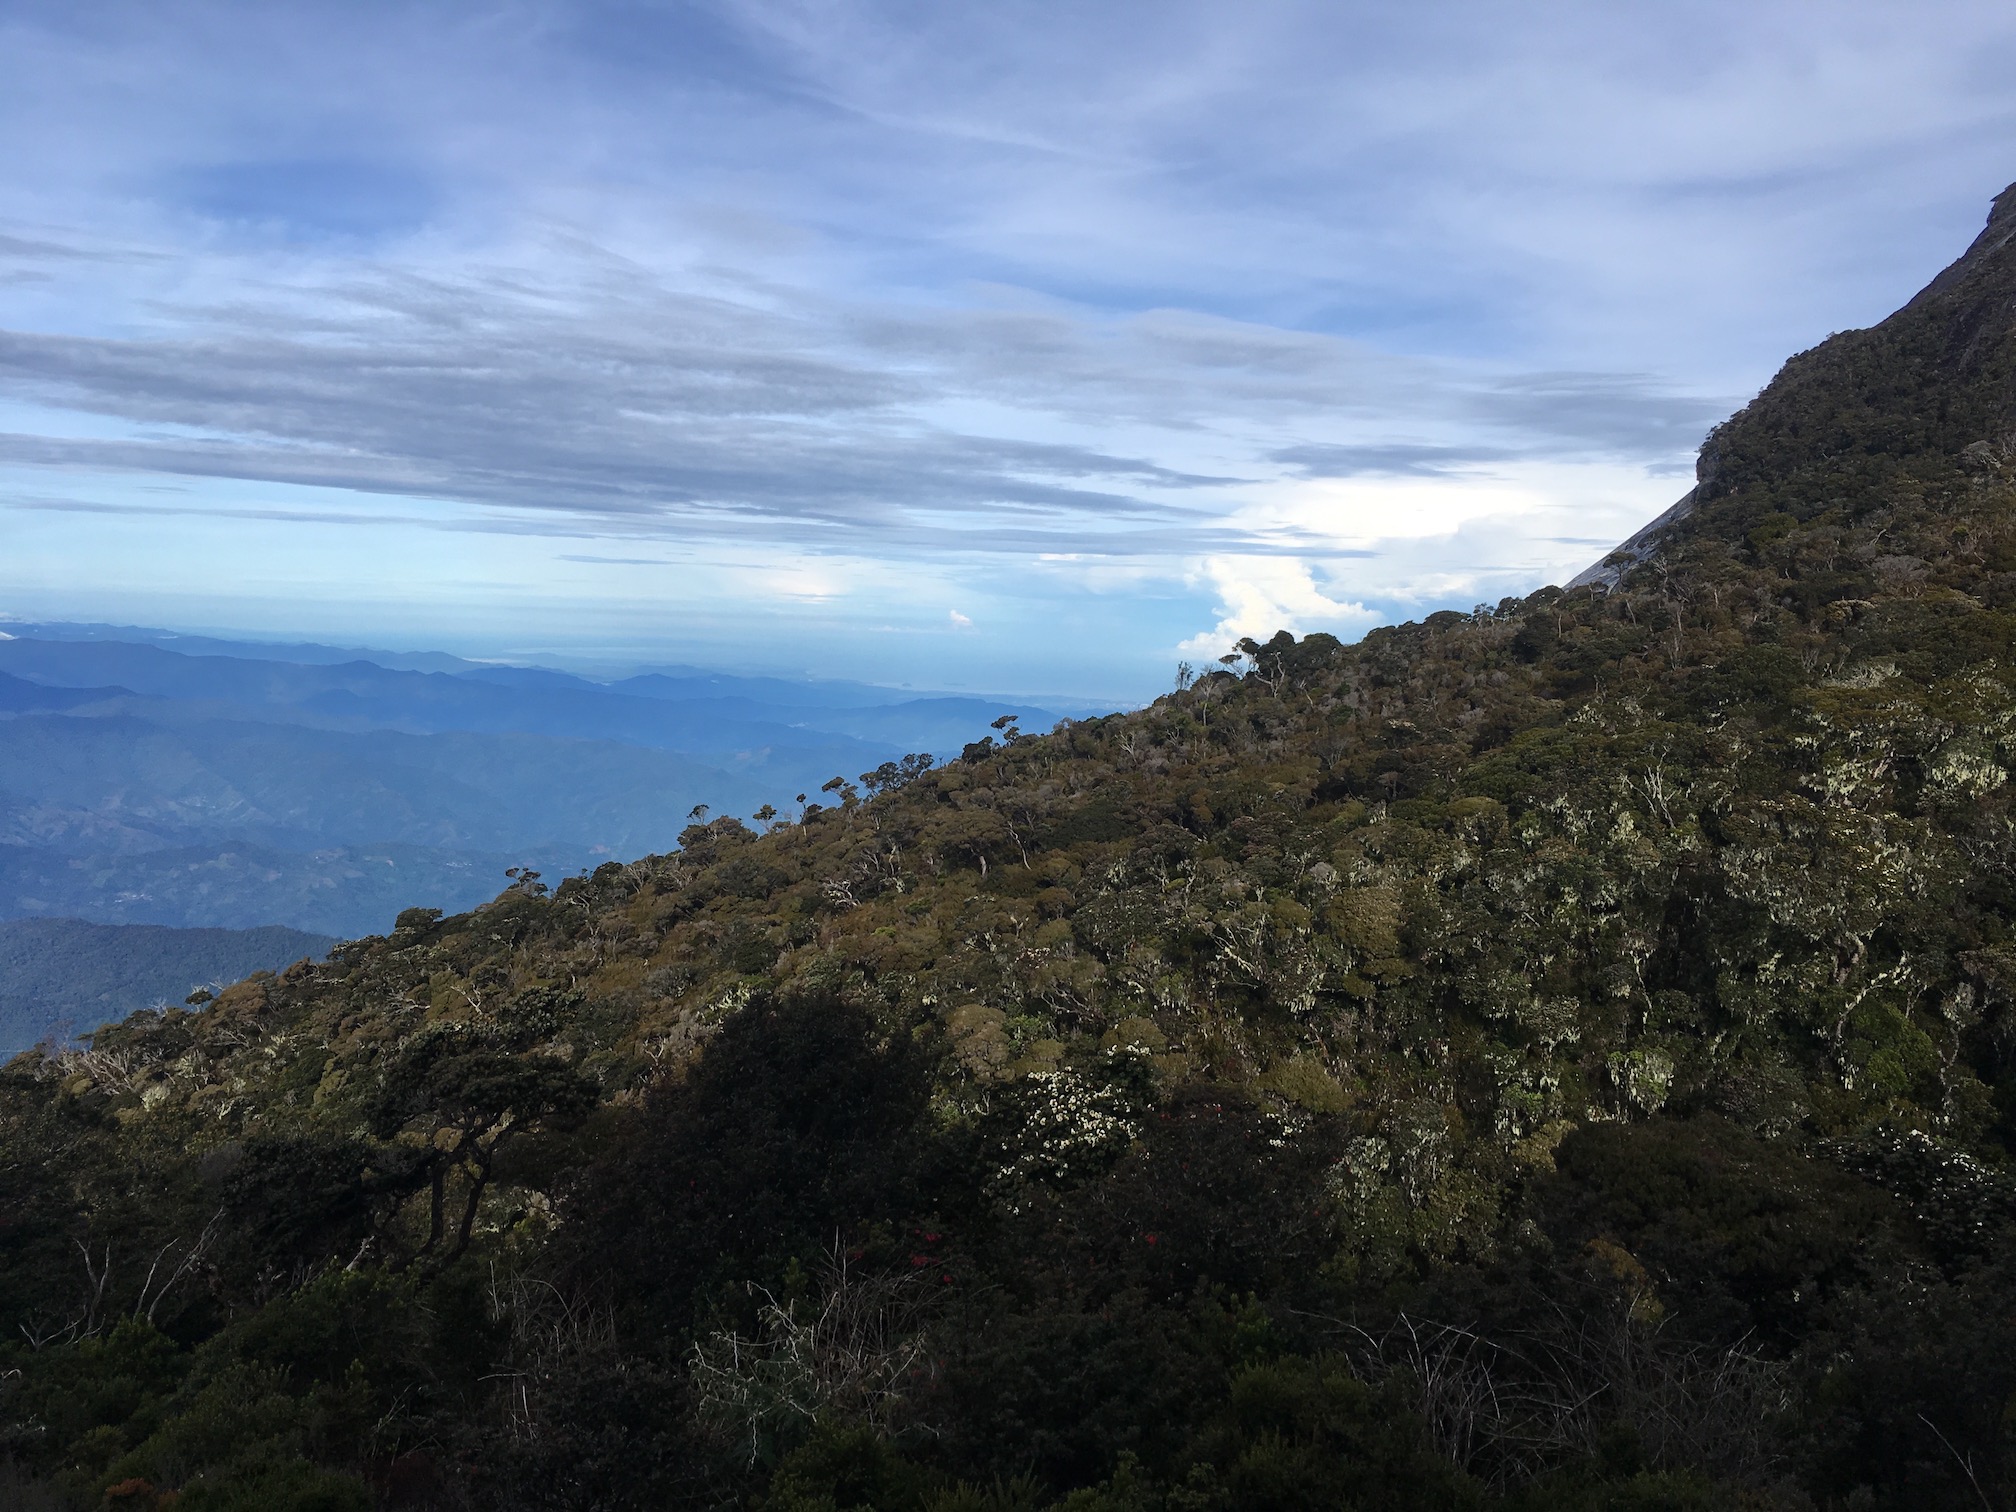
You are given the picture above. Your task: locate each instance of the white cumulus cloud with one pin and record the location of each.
(1261, 594)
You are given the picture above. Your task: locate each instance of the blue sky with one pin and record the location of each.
(1006, 345)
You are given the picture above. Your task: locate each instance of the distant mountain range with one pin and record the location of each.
(63, 976)
(148, 777)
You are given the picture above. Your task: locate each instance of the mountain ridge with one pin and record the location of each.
(1976, 320)
(1557, 1056)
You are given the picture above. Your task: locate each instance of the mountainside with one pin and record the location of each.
(1559, 1056)
(327, 793)
(58, 976)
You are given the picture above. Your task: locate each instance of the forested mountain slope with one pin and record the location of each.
(59, 976)
(1560, 1056)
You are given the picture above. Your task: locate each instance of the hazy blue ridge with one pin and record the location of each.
(60, 977)
(19, 696)
(168, 780)
(341, 890)
(126, 783)
(671, 681)
(695, 715)
(305, 652)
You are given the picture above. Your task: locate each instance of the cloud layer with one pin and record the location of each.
(1201, 314)
(619, 404)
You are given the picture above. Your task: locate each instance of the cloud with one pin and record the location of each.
(1629, 415)
(637, 404)
(1395, 459)
(290, 514)
(30, 249)
(1120, 289)
(960, 621)
(606, 399)
(1260, 595)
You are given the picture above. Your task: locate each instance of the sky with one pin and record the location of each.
(1017, 346)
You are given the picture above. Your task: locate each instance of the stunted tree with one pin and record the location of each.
(894, 774)
(466, 1100)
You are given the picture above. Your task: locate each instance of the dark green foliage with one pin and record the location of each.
(1307, 1433)
(1914, 1388)
(1738, 1236)
(847, 1471)
(1209, 1194)
(1060, 1390)
(797, 1126)
(294, 1201)
(275, 1486)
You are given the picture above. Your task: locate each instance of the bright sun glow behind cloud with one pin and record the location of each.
(1415, 541)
